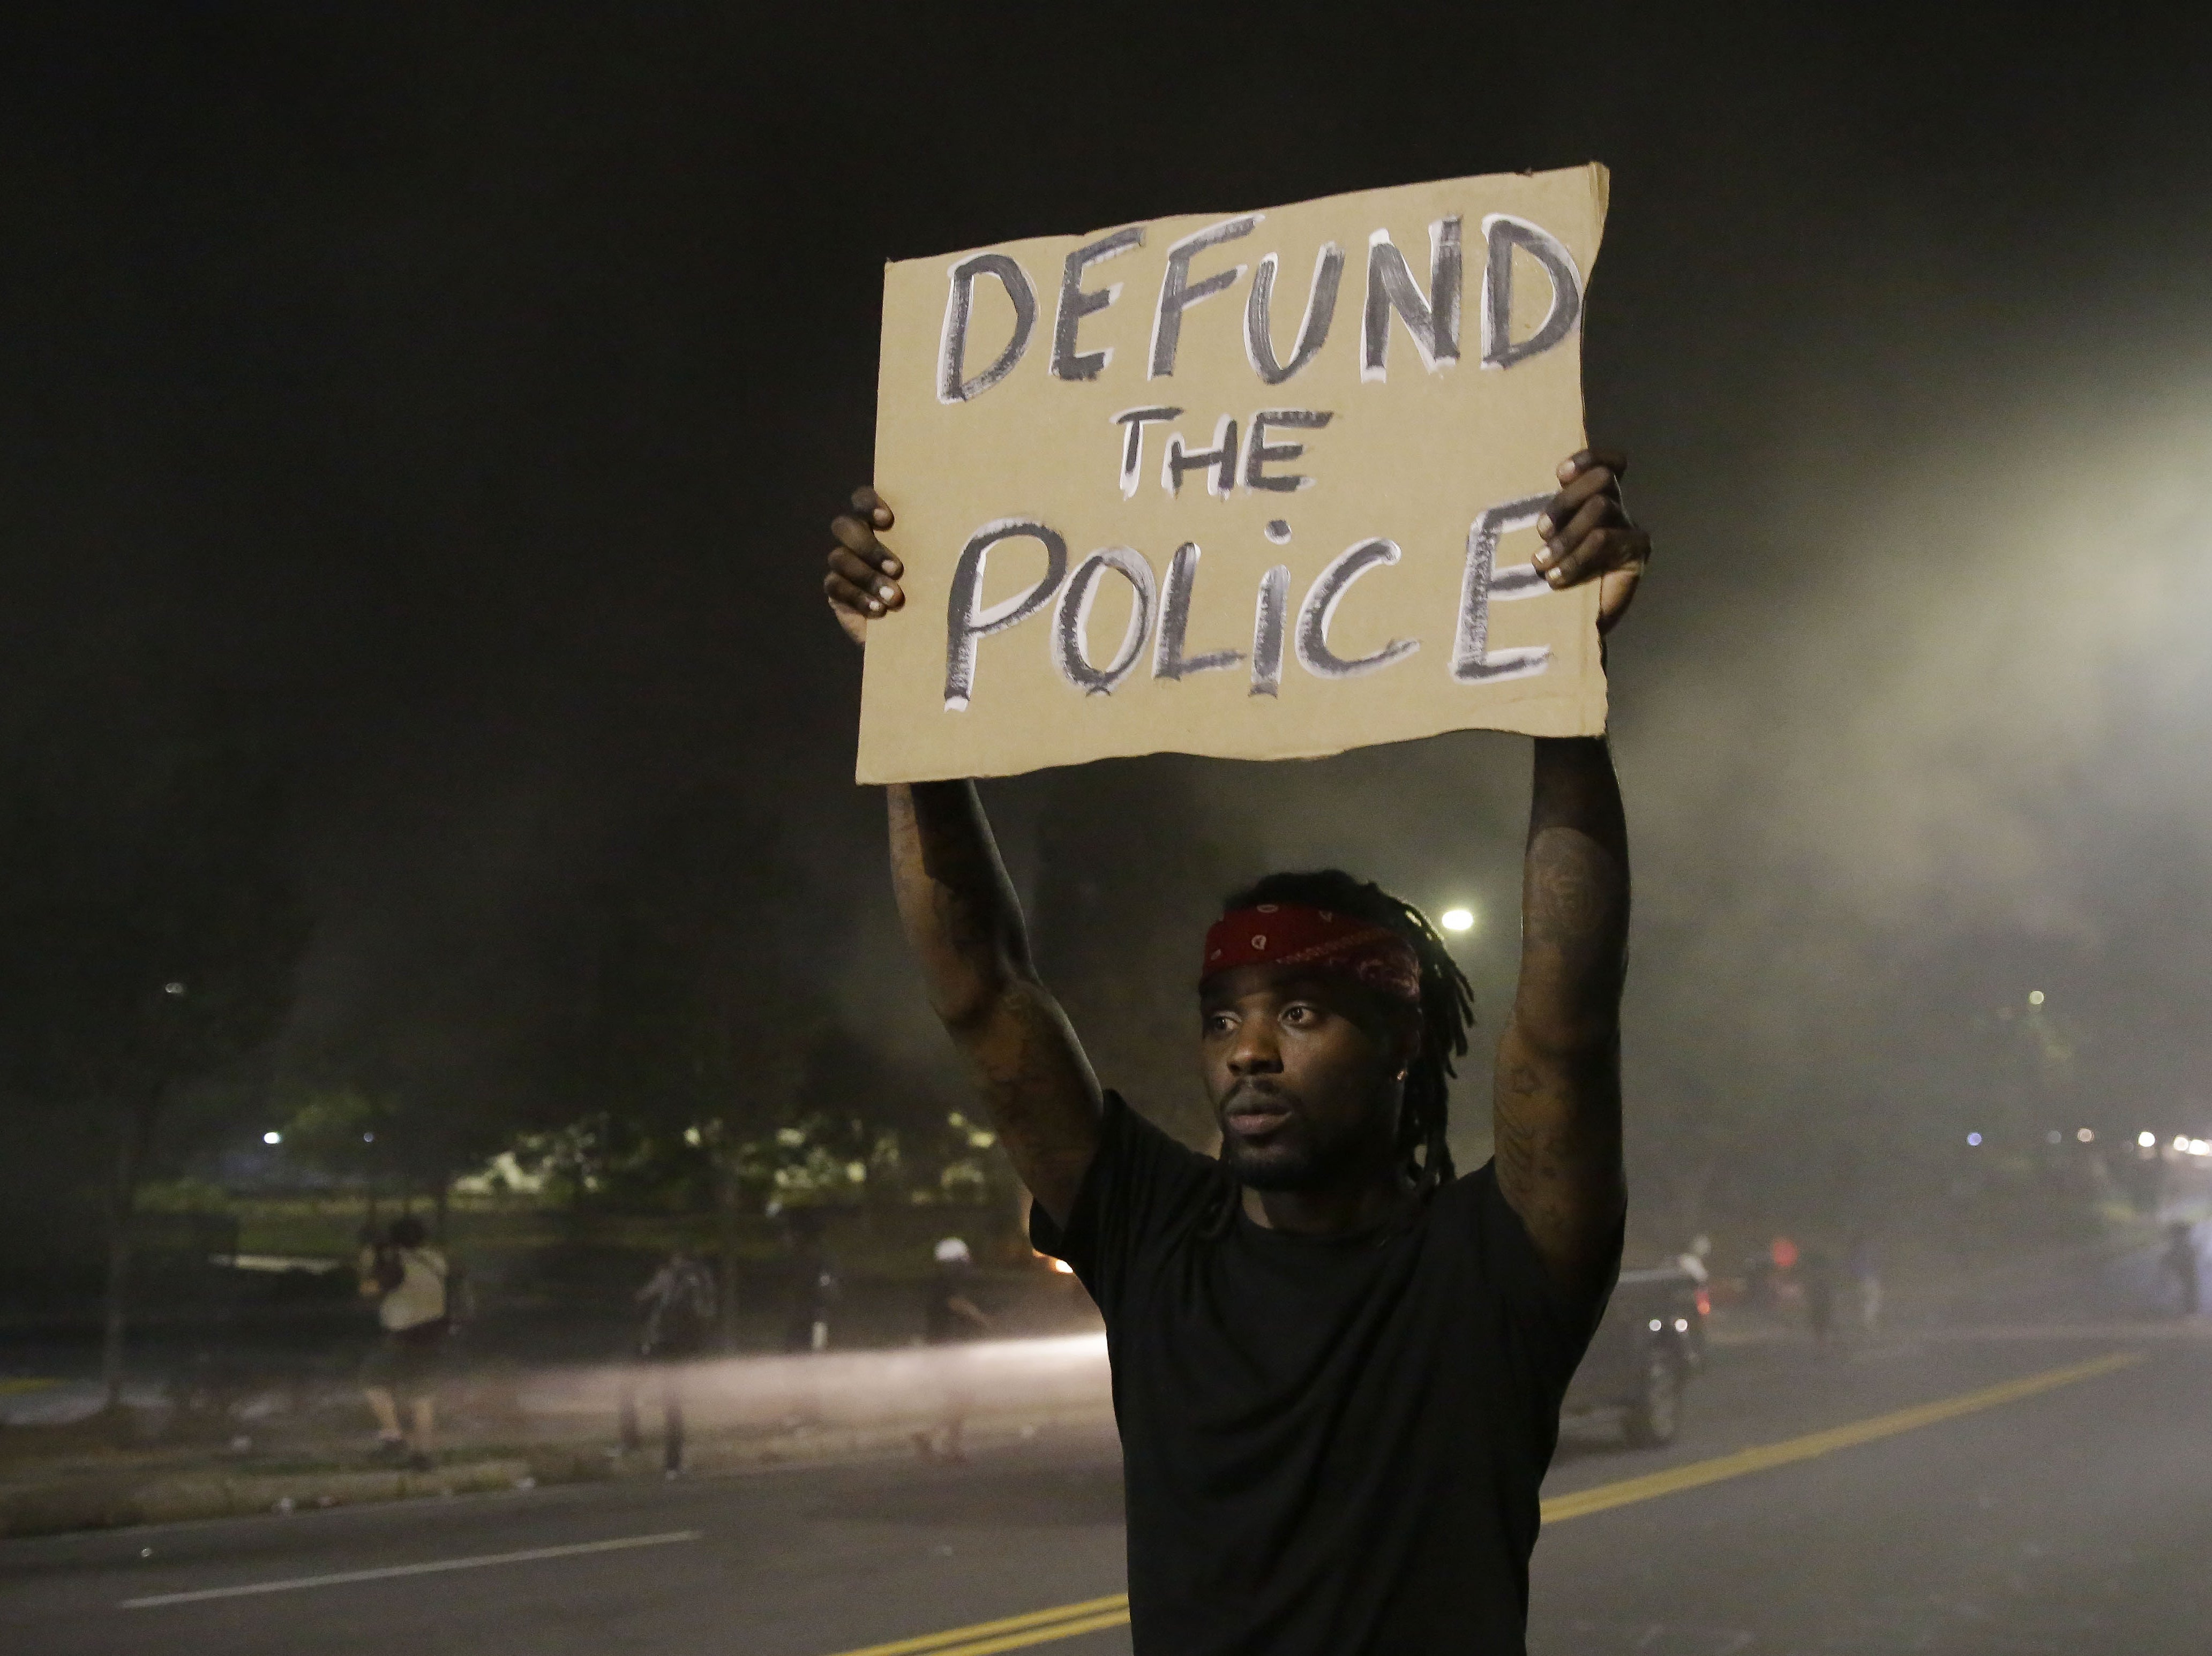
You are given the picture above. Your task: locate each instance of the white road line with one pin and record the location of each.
(297, 1582)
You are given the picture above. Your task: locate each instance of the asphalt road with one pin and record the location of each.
(2074, 1518)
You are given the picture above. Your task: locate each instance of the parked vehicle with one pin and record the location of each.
(1650, 1342)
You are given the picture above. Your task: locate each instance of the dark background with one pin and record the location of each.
(449, 400)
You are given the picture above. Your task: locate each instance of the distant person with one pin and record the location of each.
(1864, 1265)
(2179, 1262)
(409, 1280)
(1777, 1275)
(1337, 1365)
(949, 1316)
(814, 1287)
(1816, 1278)
(1760, 1292)
(679, 1316)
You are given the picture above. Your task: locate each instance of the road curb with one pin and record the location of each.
(117, 1501)
(104, 1501)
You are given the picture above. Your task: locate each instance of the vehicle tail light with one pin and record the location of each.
(1704, 1303)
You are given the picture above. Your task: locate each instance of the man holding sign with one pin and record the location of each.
(1337, 1367)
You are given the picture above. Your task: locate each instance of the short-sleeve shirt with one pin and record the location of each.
(420, 1298)
(679, 1309)
(1329, 1445)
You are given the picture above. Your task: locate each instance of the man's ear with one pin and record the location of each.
(1406, 1041)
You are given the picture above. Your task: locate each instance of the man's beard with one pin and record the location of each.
(1288, 1163)
(1295, 1158)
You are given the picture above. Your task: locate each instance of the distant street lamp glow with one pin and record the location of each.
(2147, 1141)
(2035, 997)
(1973, 1138)
(2085, 1135)
(272, 1137)
(1458, 919)
(172, 989)
(2181, 1141)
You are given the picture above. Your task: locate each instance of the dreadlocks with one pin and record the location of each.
(1447, 1004)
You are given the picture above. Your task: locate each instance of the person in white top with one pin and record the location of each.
(409, 1280)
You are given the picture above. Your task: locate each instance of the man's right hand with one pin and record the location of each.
(862, 580)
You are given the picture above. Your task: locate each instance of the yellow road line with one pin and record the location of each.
(1760, 1458)
(956, 1642)
(1041, 1627)
(1111, 1618)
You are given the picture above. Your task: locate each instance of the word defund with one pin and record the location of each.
(1432, 318)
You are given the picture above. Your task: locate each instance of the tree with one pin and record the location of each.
(149, 934)
(710, 994)
(901, 1125)
(345, 1133)
(405, 1107)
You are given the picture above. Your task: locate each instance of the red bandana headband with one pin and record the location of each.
(1291, 934)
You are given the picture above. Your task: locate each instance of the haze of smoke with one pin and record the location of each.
(1931, 730)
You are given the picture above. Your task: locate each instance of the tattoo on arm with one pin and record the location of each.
(1569, 902)
(1557, 1114)
(965, 925)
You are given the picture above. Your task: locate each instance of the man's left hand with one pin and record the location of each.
(1588, 534)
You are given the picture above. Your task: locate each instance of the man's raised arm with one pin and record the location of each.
(966, 929)
(1558, 1107)
(965, 925)
(1557, 1113)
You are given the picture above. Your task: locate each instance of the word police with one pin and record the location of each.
(1159, 611)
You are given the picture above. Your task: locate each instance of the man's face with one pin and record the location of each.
(1304, 1072)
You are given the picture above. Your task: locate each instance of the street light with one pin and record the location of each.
(2035, 997)
(1458, 919)
(272, 1137)
(2147, 1141)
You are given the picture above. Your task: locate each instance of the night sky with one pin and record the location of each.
(455, 397)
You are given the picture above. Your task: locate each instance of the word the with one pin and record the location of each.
(1221, 460)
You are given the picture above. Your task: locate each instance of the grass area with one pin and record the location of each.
(885, 1241)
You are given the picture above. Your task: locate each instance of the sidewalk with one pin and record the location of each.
(559, 1426)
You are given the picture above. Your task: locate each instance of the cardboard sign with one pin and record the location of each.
(1258, 485)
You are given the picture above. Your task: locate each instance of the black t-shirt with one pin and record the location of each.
(1329, 1447)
